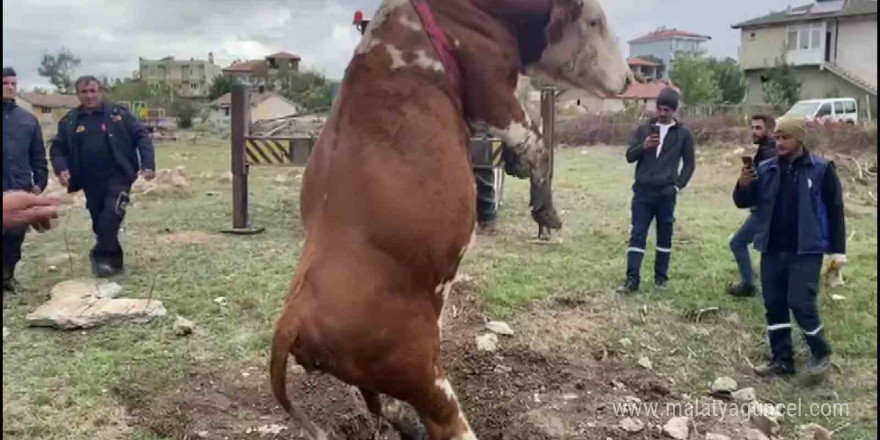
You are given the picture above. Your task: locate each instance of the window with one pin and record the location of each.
(838, 107)
(849, 106)
(46, 110)
(792, 39)
(825, 110)
(804, 37)
(752, 35)
(225, 111)
(815, 37)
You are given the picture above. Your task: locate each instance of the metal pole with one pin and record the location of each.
(548, 122)
(240, 119)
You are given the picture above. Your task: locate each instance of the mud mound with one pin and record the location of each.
(515, 393)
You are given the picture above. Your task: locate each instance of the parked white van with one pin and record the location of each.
(827, 110)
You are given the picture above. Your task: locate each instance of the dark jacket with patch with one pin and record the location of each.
(660, 172)
(129, 141)
(24, 155)
(814, 221)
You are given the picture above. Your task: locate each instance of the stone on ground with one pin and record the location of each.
(632, 425)
(754, 434)
(677, 428)
(487, 342)
(714, 436)
(183, 326)
(744, 395)
(724, 385)
(645, 363)
(87, 303)
(500, 328)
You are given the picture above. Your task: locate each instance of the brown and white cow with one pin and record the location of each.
(388, 195)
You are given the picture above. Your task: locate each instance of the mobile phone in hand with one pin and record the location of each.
(655, 130)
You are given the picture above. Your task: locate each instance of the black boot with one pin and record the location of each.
(782, 363)
(742, 290)
(9, 283)
(820, 361)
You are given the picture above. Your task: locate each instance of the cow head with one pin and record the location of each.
(580, 50)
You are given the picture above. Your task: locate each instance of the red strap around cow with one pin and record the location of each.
(442, 46)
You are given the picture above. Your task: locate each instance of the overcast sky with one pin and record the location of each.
(110, 35)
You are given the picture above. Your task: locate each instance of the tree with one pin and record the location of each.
(185, 111)
(59, 69)
(309, 89)
(220, 86)
(781, 87)
(730, 79)
(692, 74)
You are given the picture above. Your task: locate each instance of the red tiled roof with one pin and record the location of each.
(646, 90)
(284, 55)
(636, 61)
(664, 34)
(245, 66)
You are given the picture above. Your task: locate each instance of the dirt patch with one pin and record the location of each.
(516, 393)
(188, 237)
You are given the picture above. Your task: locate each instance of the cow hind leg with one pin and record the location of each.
(440, 412)
(393, 417)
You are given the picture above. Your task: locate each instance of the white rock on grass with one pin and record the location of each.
(754, 434)
(714, 436)
(86, 303)
(744, 395)
(724, 385)
(500, 328)
(183, 326)
(645, 363)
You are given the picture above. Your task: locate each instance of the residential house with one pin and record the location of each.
(643, 68)
(190, 78)
(831, 44)
(48, 108)
(257, 72)
(264, 105)
(664, 43)
(638, 94)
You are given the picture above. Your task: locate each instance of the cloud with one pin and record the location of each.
(110, 36)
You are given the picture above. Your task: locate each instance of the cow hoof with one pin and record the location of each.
(547, 218)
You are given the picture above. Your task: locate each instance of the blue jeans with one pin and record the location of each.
(648, 205)
(739, 244)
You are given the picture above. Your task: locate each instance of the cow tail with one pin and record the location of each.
(285, 335)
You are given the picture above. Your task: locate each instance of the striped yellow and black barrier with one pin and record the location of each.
(496, 153)
(486, 152)
(267, 151)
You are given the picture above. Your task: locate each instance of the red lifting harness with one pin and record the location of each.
(443, 48)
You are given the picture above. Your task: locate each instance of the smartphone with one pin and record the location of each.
(748, 161)
(655, 130)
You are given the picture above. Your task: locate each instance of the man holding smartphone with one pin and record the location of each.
(659, 147)
(800, 211)
(762, 130)
(100, 148)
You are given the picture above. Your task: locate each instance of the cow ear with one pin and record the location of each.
(562, 13)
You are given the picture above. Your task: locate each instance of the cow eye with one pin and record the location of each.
(594, 23)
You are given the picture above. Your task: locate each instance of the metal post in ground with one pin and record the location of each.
(239, 123)
(548, 122)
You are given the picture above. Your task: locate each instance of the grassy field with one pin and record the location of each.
(81, 385)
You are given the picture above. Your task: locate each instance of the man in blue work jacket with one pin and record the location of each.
(100, 148)
(24, 168)
(799, 203)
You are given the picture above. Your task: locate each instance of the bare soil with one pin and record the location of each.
(515, 393)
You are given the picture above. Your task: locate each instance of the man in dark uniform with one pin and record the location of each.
(800, 212)
(762, 135)
(100, 148)
(24, 167)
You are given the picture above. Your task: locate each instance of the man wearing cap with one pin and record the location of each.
(799, 203)
(24, 168)
(100, 148)
(658, 147)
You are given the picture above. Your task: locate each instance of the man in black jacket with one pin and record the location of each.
(24, 168)
(659, 147)
(100, 148)
(800, 214)
(762, 135)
